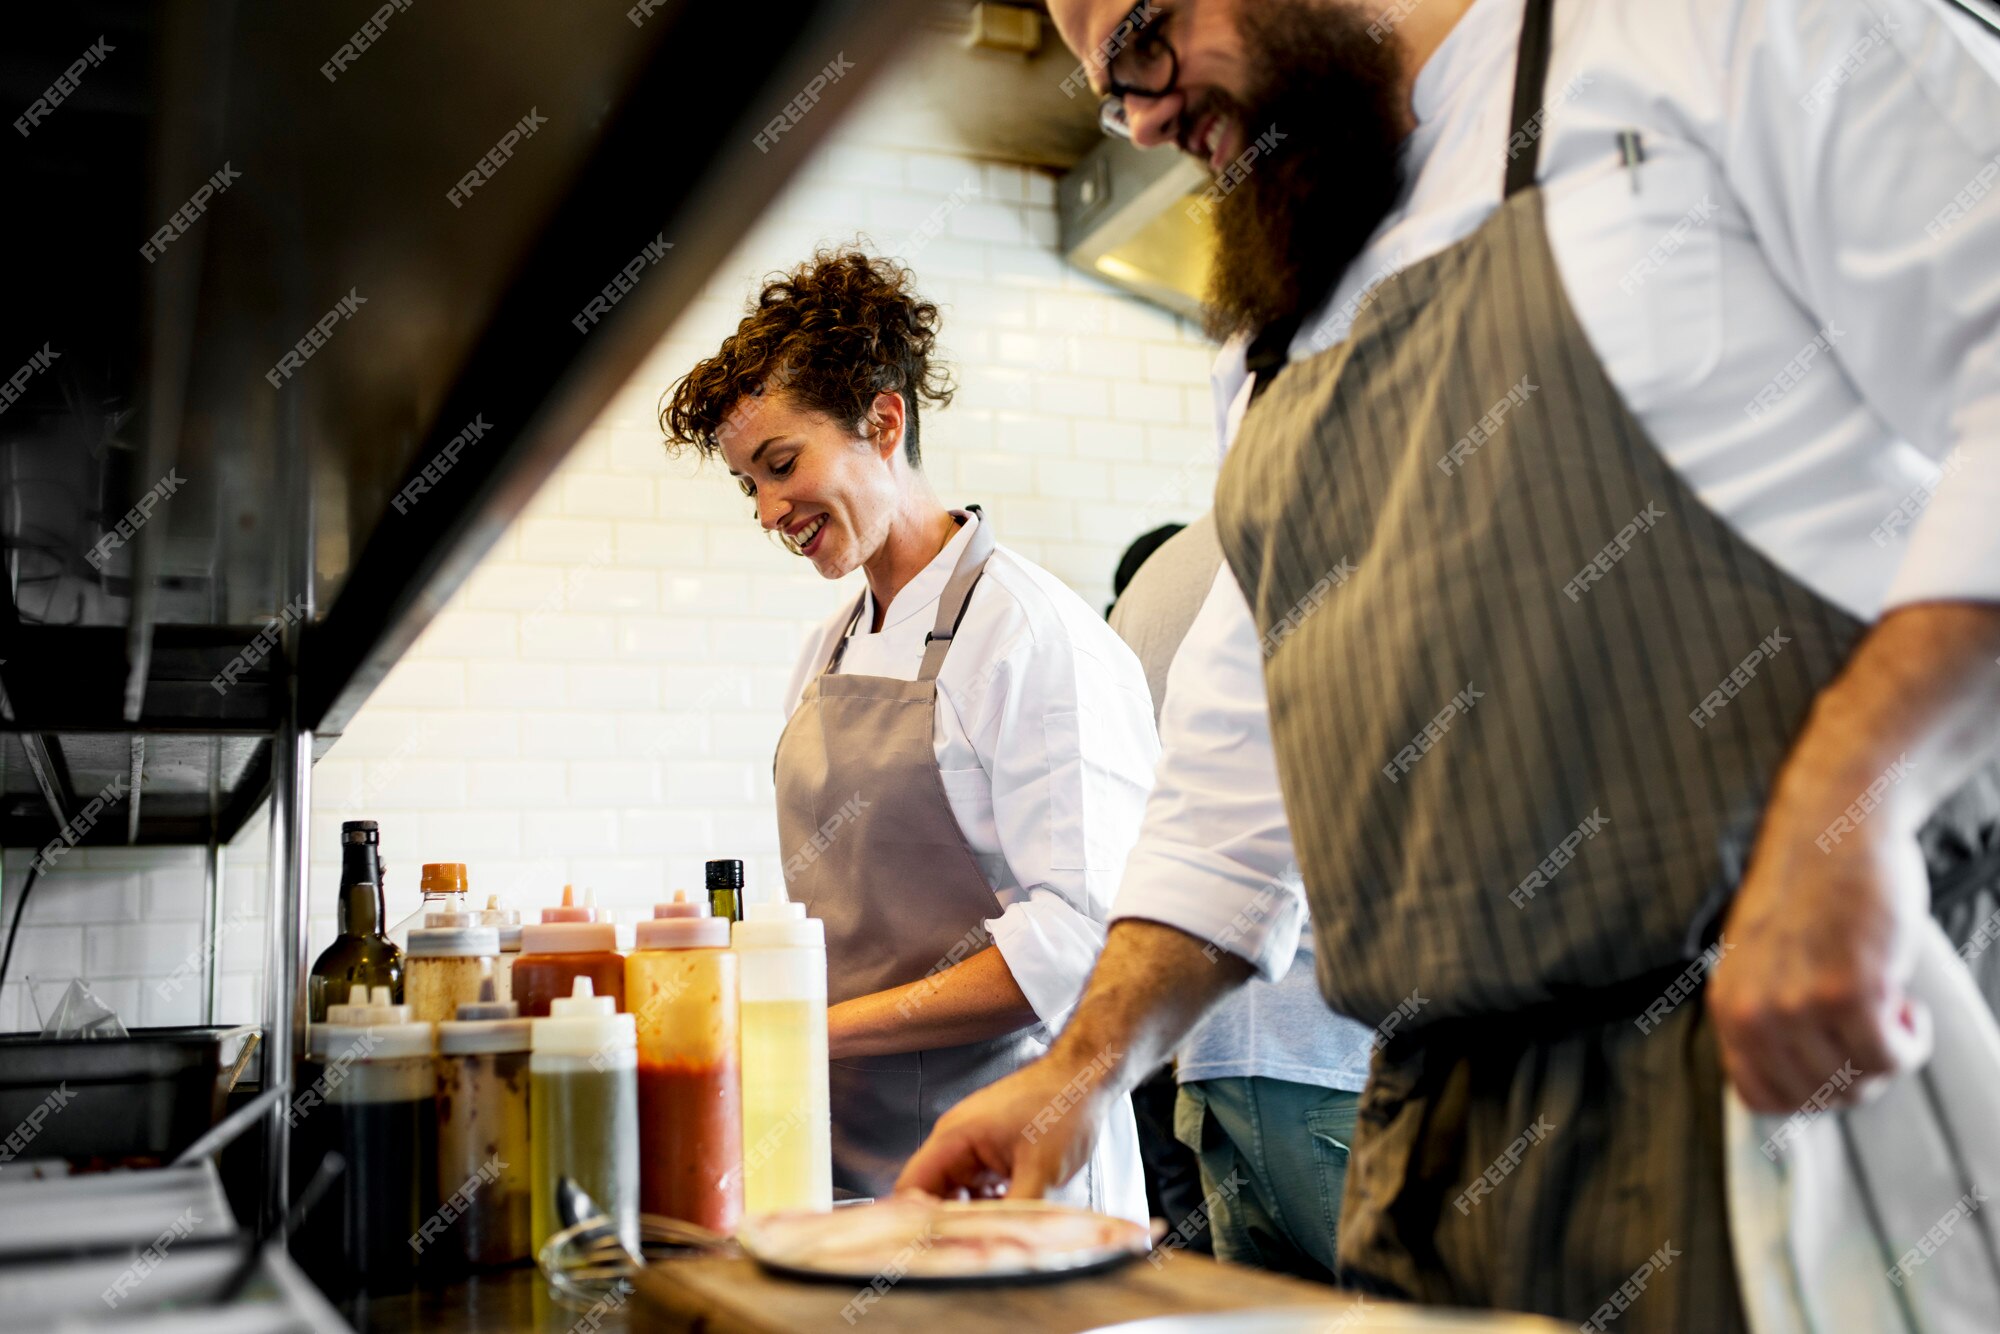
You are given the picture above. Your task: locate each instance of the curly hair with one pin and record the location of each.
(832, 334)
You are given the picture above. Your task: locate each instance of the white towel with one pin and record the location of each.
(1884, 1218)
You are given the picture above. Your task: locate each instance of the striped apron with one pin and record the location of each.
(1526, 701)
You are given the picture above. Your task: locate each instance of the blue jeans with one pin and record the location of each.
(1273, 1160)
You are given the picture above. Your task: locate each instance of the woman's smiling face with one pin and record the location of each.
(828, 492)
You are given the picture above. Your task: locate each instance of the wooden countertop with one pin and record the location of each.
(734, 1296)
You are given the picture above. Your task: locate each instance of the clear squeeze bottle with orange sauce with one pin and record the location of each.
(569, 942)
(680, 984)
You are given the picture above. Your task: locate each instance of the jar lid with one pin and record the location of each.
(443, 878)
(369, 1027)
(497, 914)
(681, 925)
(485, 1025)
(571, 910)
(453, 942)
(779, 925)
(568, 937)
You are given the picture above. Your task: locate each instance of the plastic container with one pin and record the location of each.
(484, 1161)
(583, 1104)
(449, 956)
(507, 921)
(368, 1092)
(570, 942)
(443, 885)
(787, 1115)
(680, 984)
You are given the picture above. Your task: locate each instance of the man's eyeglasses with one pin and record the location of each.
(1142, 63)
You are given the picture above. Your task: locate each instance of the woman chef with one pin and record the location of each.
(969, 747)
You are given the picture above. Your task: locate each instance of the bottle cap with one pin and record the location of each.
(360, 831)
(443, 878)
(506, 920)
(485, 1025)
(369, 1027)
(681, 925)
(571, 910)
(452, 940)
(725, 873)
(585, 1024)
(779, 925)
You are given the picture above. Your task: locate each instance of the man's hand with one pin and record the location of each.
(1026, 1134)
(1809, 997)
(1034, 1130)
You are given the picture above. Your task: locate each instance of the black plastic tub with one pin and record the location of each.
(148, 1095)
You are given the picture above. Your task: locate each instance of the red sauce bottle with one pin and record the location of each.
(569, 942)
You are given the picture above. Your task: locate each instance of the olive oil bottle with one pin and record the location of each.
(361, 955)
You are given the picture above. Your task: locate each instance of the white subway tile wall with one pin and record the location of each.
(600, 702)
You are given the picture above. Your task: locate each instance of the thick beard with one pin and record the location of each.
(1288, 231)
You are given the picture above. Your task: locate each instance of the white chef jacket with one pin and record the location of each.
(1797, 292)
(1045, 740)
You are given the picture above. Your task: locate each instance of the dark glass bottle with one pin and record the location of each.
(725, 889)
(361, 955)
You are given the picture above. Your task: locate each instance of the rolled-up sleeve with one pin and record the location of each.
(1214, 856)
(1070, 744)
(1864, 142)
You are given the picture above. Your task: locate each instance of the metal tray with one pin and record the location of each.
(148, 1095)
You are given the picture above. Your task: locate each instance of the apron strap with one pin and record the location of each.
(1270, 350)
(957, 593)
(1531, 76)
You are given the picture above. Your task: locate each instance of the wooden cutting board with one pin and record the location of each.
(734, 1296)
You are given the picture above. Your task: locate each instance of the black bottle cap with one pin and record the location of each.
(725, 873)
(359, 831)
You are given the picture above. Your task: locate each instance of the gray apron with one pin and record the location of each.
(873, 850)
(1518, 650)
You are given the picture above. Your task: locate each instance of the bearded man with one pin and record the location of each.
(1610, 601)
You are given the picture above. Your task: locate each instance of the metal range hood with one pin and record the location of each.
(1125, 216)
